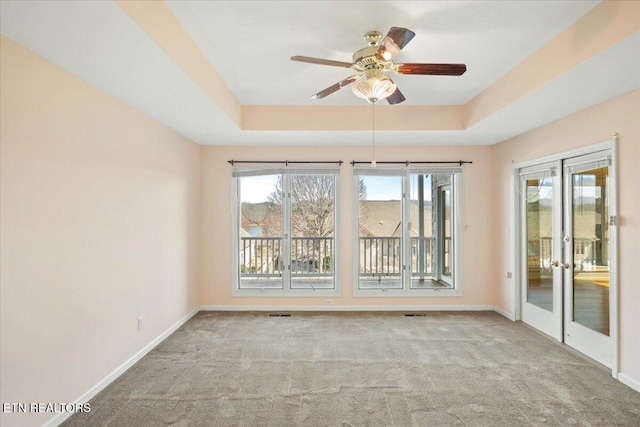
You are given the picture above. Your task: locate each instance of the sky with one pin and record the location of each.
(256, 189)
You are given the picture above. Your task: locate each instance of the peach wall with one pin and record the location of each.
(590, 126)
(352, 117)
(100, 217)
(476, 238)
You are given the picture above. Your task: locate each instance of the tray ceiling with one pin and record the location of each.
(219, 72)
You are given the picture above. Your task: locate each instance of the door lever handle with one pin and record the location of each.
(565, 265)
(555, 263)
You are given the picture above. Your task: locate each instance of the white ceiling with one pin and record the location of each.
(249, 44)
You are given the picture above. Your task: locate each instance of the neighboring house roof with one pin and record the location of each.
(382, 218)
(379, 218)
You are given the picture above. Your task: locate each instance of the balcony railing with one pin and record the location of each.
(380, 256)
(585, 253)
(263, 257)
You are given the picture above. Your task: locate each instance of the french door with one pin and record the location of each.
(541, 224)
(587, 273)
(566, 251)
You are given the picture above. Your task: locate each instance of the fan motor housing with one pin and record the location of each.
(366, 58)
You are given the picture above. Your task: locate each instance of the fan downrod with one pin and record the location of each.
(373, 38)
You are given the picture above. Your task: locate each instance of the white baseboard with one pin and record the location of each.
(504, 313)
(624, 379)
(347, 308)
(60, 418)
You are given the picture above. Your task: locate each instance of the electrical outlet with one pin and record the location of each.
(140, 323)
(327, 301)
(509, 275)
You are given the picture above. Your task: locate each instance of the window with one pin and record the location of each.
(285, 231)
(407, 232)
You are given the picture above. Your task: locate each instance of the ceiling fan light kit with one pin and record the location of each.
(372, 64)
(373, 89)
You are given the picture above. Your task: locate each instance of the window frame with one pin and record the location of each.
(441, 187)
(287, 290)
(407, 290)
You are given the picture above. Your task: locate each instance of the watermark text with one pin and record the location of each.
(45, 407)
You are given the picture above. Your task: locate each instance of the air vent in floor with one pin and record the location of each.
(279, 315)
(414, 314)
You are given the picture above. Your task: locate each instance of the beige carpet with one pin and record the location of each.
(361, 369)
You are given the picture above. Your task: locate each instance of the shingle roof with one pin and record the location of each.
(383, 218)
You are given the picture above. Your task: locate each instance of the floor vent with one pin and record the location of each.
(414, 315)
(279, 315)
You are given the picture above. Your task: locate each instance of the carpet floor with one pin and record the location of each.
(361, 369)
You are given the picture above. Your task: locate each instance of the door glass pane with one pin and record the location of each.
(539, 211)
(312, 231)
(591, 249)
(380, 232)
(260, 258)
(422, 232)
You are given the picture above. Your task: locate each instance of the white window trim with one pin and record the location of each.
(406, 290)
(286, 291)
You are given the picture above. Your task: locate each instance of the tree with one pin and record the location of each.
(312, 213)
(312, 204)
(364, 207)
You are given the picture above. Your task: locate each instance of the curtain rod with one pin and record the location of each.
(407, 163)
(285, 162)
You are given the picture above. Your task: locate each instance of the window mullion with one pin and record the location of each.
(406, 233)
(286, 229)
(435, 212)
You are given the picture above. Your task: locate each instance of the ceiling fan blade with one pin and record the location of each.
(396, 97)
(336, 87)
(400, 36)
(320, 61)
(395, 40)
(433, 69)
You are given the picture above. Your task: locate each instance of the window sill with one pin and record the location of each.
(410, 293)
(286, 293)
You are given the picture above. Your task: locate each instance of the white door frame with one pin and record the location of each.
(514, 232)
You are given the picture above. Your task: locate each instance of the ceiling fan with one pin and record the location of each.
(372, 64)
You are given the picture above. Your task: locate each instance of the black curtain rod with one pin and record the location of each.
(285, 162)
(407, 163)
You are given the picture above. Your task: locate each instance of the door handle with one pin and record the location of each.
(565, 265)
(555, 263)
